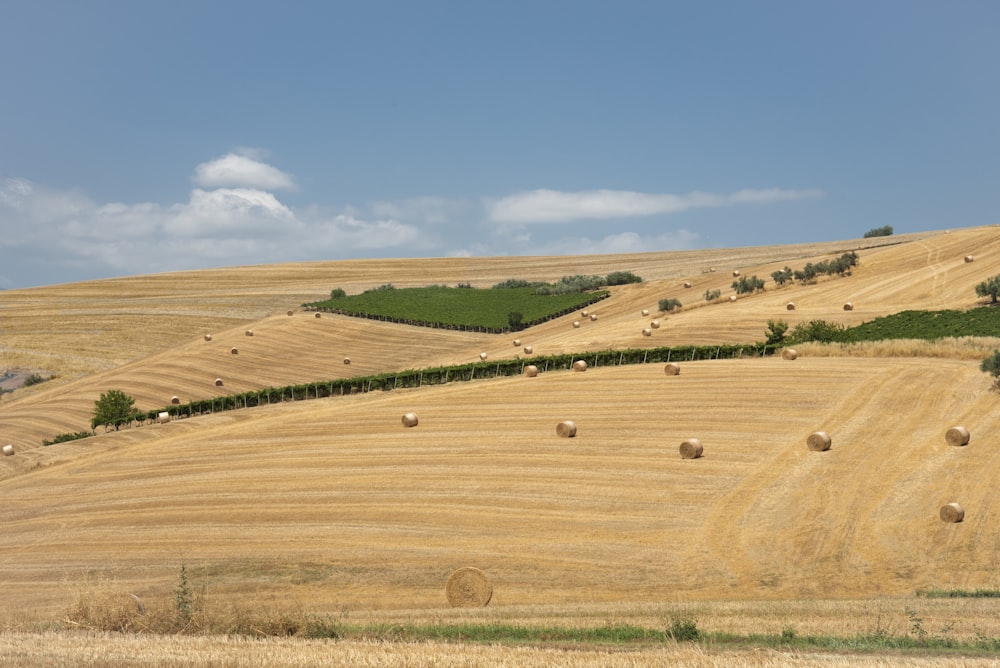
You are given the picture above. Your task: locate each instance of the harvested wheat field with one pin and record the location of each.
(332, 507)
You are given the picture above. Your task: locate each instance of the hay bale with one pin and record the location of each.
(672, 369)
(291, 312)
(483, 356)
(645, 311)
(218, 382)
(957, 436)
(593, 317)
(208, 337)
(789, 354)
(647, 332)
(584, 313)
(235, 351)
(528, 350)
(249, 332)
(579, 365)
(691, 449)
(687, 284)
(848, 306)
(410, 420)
(736, 272)
(517, 343)
(347, 360)
(175, 400)
(732, 298)
(531, 371)
(655, 324)
(468, 587)
(576, 323)
(952, 513)
(566, 429)
(163, 417)
(8, 450)
(818, 441)
(790, 306)
(969, 258)
(318, 315)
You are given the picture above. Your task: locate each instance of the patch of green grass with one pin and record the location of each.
(443, 306)
(924, 325)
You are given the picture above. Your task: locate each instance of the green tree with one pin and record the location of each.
(782, 276)
(991, 365)
(748, 284)
(670, 304)
(114, 408)
(989, 288)
(884, 231)
(776, 331)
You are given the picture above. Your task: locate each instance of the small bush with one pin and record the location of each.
(776, 330)
(782, 276)
(748, 284)
(683, 629)
(816, 330)
(884, 231)
(670, 304)
(34, 379)
(62, 438)
(337, 293)
(622, 278)
(712, 295)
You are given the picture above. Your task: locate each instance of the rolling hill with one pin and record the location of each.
(331, 504)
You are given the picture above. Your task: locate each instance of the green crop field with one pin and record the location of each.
(442, 306)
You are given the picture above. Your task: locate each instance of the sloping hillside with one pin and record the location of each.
(333, 504)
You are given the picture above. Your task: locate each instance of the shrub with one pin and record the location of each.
(816, 330)
(991, 365)
(776, 331)
(34, 379)
(782, 276)
(62, 438)
(516, 321)
(669, 304)
(683, 629)
(712, 295)
(884, 231)
(512, 283)
(572, 285)
(337, 293)
(622, 278)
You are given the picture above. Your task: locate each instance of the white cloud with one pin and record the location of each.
(554, 206)
(241, 169)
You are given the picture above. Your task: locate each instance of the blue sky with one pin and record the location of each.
(140, 137)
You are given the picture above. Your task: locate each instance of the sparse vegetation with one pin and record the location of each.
(622, 278)
(712, 295)
(884, 231)
(35, 379)
(63, 438)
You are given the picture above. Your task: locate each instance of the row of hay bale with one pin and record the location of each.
(848, 306)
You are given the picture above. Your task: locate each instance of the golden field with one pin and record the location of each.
(331, 507)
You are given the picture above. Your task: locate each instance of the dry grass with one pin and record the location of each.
(963, 348)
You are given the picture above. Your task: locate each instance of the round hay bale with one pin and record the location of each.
(647, 332)
(687, 284)
(818, 441)
(655, 324)
(593, 317)
(347, 360)
(579, 365)
(175, 400)
(249, 332)
(969, 258)
(848, 306)
(691, 449)
(576, 323)
(319, 315)
(483, 356)
(208, 337)
(789, 354)
(736, 272)
(531, 371)
(235, 351)
(410, 420)
(732, 298)
(468, 587)
(291, 312)
(163, 417)
(517, 343)
(672, 368)
(957, 436)
(566, 429)
(790, 306)
(528, 350)
(952, 513)
(645, 311)
(218, 382)
(583, 313)
(8, 450)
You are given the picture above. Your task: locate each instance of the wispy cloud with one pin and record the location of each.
(554, 206)
(241, 169)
